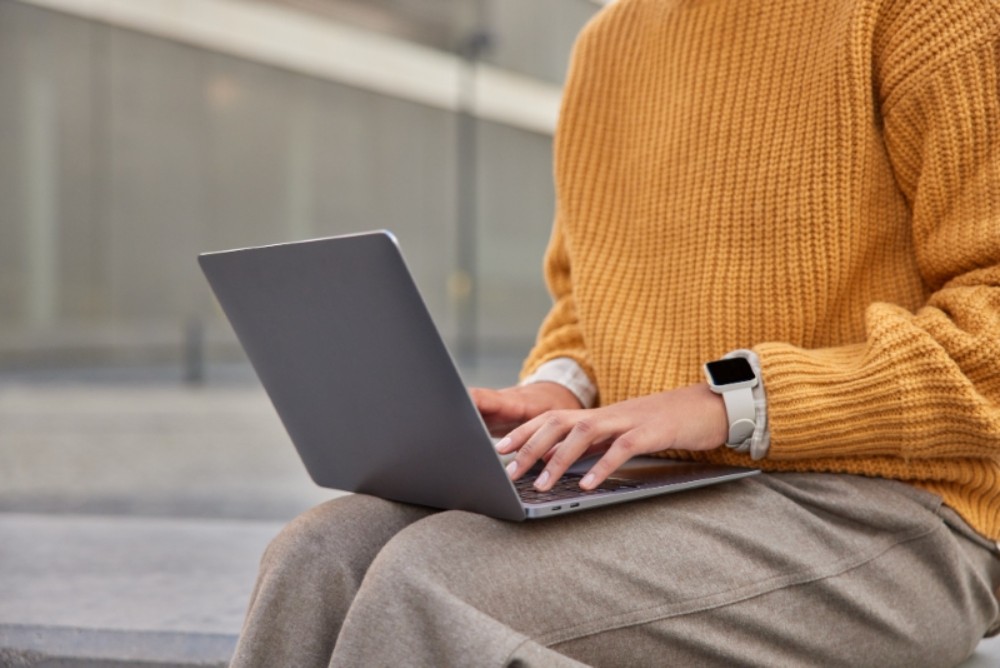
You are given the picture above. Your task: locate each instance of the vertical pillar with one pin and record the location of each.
(41, 210)
(300, 211)
(464, 286)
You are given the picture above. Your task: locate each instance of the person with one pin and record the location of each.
(813, 187)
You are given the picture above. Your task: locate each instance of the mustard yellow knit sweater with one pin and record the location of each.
(818, 180)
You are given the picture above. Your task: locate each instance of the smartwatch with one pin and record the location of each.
(735, 379)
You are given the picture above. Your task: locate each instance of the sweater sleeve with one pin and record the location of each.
(925, 384)
(559, 335)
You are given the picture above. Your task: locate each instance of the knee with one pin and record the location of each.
(347, 529)
(302, 539)
(452, 547)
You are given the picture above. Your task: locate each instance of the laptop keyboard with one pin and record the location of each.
(567, 487)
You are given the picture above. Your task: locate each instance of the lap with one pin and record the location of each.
(842, 569)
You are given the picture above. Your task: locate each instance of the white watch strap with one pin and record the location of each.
(756, 446)
(741, 412)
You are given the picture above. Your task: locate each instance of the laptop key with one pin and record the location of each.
(567, 487)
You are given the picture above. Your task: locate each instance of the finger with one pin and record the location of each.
(514, 439)
(486, 400)
(592, 450)
(624, 448)
(585, 436)
(501, 412)
(518, 434)
(536, 438)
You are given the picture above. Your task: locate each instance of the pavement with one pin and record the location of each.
(132, 516)
(126, 589)
(134, 509)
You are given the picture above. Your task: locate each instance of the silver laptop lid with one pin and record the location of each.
(345, 348)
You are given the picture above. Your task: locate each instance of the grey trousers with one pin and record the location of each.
(775, 570)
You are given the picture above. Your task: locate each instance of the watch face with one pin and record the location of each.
(731, 371)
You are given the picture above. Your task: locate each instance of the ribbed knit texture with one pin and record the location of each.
(817, 181)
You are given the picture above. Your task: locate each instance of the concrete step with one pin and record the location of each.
(987, 655)
(80, 591)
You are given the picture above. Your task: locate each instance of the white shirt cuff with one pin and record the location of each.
(566, 372)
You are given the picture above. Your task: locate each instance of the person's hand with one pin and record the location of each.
(689, 418)
(502, 410)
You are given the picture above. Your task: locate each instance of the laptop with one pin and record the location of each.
(346, 350)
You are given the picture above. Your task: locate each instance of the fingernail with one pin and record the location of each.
(542, 479)
(587, 481)
(502, 443)
(511, 469)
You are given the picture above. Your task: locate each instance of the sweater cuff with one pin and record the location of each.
(832, 402)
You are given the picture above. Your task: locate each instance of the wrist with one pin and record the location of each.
(716, 419)
(733, 380)
(570, 375)
(551, 394)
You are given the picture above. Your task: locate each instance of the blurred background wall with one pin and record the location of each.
(135, 134)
